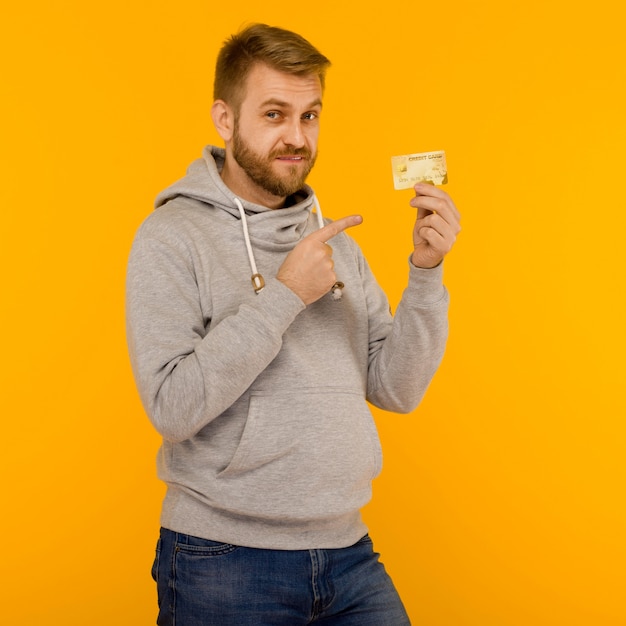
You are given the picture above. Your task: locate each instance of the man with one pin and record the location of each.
(257, 333)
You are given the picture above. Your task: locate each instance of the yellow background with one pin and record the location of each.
(502, 498)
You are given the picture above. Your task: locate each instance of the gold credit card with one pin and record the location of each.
(423, 167)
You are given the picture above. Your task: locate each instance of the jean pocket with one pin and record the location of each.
(196, 547)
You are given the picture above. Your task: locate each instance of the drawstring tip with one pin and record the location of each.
(257, 282)
(336, 290)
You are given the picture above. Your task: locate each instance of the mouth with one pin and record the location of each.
(290, 158)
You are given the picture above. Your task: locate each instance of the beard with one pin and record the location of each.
(259, 167)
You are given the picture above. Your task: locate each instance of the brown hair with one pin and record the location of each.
(280, 49)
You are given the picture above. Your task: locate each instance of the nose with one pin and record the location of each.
(294, 135)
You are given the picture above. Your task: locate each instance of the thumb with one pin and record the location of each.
(334, 228)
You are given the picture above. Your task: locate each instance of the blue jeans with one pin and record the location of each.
(208, 583)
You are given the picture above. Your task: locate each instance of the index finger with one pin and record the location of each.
(334, 228)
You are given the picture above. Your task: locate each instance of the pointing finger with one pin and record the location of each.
(334, 228)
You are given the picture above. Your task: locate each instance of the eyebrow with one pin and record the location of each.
(285, 105)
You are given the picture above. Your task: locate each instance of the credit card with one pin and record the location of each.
(422, 167)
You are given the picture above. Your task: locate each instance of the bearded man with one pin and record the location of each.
(257, 335)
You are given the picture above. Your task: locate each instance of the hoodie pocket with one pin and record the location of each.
(307, 436)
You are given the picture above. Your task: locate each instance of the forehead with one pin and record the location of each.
(265, 85)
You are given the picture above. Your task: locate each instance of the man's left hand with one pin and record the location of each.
(437, 225)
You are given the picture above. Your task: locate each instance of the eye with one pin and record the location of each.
(311, 115)
(272, 115)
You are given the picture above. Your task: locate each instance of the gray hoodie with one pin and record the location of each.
(268, 440)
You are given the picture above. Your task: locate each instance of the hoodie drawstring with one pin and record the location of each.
(258, 282)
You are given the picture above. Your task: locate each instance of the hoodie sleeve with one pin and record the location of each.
(185, 375)
(405, 350)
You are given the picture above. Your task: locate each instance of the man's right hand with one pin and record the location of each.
(308, 269)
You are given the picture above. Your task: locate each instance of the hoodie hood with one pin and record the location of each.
(262, 227)
(268, 227)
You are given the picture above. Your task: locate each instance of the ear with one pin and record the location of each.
(223, 119)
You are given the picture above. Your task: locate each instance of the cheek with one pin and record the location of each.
(253, 133)
(264, 140)
(312, 136)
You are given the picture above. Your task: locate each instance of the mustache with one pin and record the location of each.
(303, 152)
